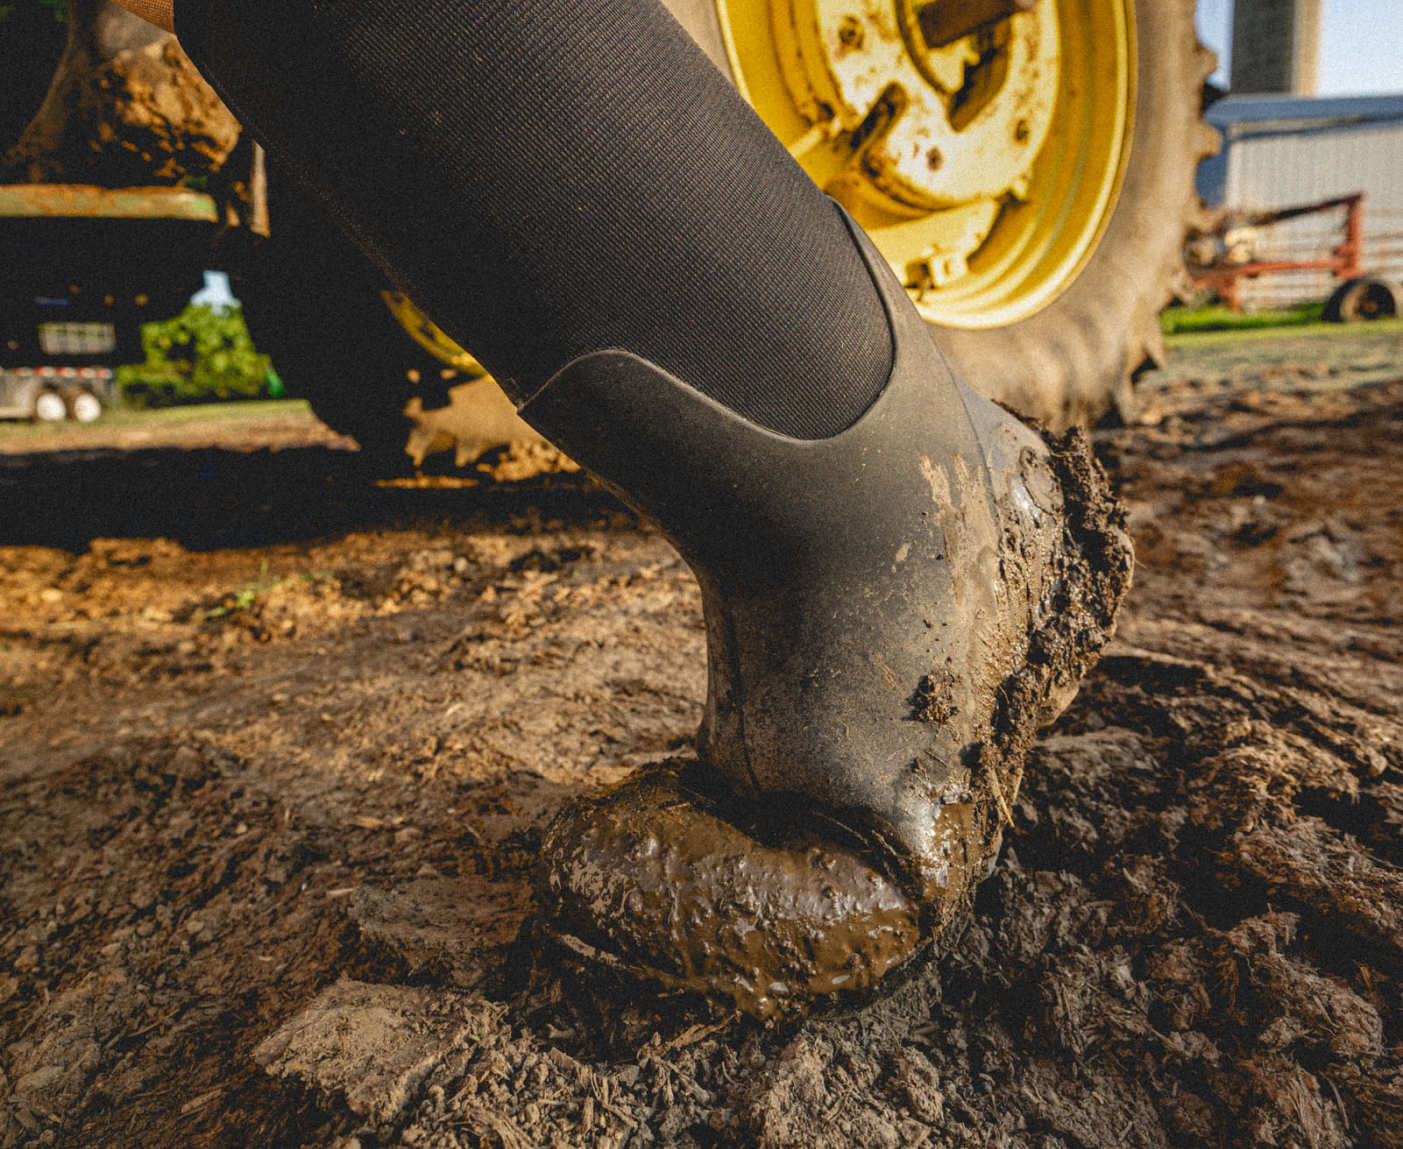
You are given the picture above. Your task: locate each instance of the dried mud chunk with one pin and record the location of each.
(1294, 1003)
(1314, 866)
(373, 1045)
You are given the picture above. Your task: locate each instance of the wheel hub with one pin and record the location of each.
(979, 142)
(945, 126)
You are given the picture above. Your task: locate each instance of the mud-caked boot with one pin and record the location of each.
(891, 614)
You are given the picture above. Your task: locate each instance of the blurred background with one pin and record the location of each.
(1308, 96)
(1303, 223)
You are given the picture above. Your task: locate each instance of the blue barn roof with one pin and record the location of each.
(1241, 118)
(1265, 114)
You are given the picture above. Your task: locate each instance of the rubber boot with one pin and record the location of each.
(891, 612)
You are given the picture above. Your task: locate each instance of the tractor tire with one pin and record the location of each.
(326, 317)
(1074, 358)
(314, 304)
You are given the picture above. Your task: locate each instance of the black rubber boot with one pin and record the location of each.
(891, 612)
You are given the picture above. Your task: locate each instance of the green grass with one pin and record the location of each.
(1216, 317)
(164, 416)
(247, 597)
(1215, 337)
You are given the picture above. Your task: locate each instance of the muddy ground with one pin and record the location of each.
(279, 743)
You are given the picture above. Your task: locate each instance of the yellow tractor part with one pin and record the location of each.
(425, 332)
(478, 415)
(981, 143)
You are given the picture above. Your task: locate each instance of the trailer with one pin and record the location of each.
(48, 394)
(81, 269)
(1234, 251)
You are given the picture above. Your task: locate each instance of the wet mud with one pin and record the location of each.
(694, 893)
(274, 791)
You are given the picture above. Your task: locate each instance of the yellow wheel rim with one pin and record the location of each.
(425, 332)
(985, 166)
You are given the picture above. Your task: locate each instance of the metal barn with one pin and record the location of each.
(1280, 151)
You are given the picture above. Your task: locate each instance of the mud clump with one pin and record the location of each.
(933, 701)
(143, 115)
(1091, 575)
(667, 883)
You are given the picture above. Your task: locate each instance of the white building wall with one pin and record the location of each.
(1301, 167)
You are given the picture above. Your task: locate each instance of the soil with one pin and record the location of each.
(279, 744)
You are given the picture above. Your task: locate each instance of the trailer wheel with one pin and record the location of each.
(1360, 300)
(49, 406)
(83, 405)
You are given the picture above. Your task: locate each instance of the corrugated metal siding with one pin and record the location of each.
(1296, 168)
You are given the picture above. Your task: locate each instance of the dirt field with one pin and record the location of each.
(279, 743)
(260, 425)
